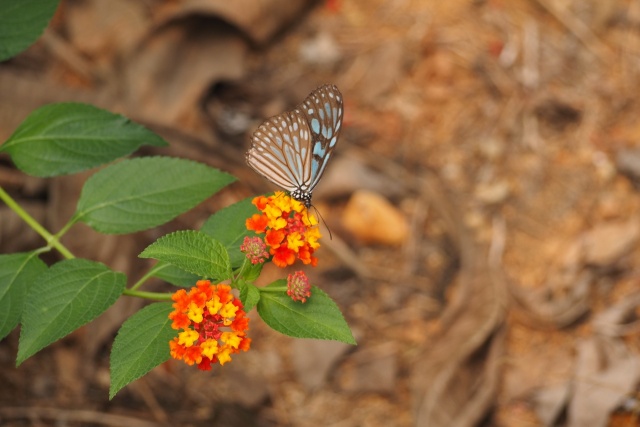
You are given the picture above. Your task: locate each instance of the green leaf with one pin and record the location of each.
(68, 295)
(137, 194)
(172, 274)
(65, 138)
(142, 344)
(228, 227)
(17, 273)
(249, 295)
(21, 23)
(318, 318)
(192, 251)
(251, 271)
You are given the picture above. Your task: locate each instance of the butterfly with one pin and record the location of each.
(292, 149)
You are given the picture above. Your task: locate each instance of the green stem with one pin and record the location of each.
(51, 240)
(158, 296)
(42, 250)
(64, 229)
(272, 288)
(239, 275)
(143, 279)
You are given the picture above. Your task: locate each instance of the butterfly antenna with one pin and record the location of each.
(323, 221)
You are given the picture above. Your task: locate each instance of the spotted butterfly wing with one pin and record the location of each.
(292, 149)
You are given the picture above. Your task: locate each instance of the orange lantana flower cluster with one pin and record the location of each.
(213, 325)
(290, 231)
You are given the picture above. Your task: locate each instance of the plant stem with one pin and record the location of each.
(144, 278)
(272, 288)
(239, 275)
(158, 296)
(64, 229)
(51, 240)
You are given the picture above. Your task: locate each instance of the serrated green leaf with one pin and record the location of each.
(172, 274)
(21, 23)
(138, 194)
(68, 295)
(318, 318)
(228, 227)
(17, 273)
(249, 295)
(192, 251)
(65, 138)
(142, 344)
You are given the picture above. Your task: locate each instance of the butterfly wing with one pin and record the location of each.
(323, 109)
(292, 149)
(279, 150)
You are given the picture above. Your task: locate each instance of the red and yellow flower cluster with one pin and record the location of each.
(291, 232)
(298, 286)
(202, 314)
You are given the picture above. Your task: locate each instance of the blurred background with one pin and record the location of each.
(483, 203)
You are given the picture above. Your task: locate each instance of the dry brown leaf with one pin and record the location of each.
(373, 369)
(549, 403)
(259, 20)
(560, 304)
(619, 319)
(313, 360)
(606, 244)
(102, 30)
(605, 372)
(167, 76)
(199, 44)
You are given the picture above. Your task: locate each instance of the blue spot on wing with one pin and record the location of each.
(319, 150)
(314, 167)
(315, 125)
